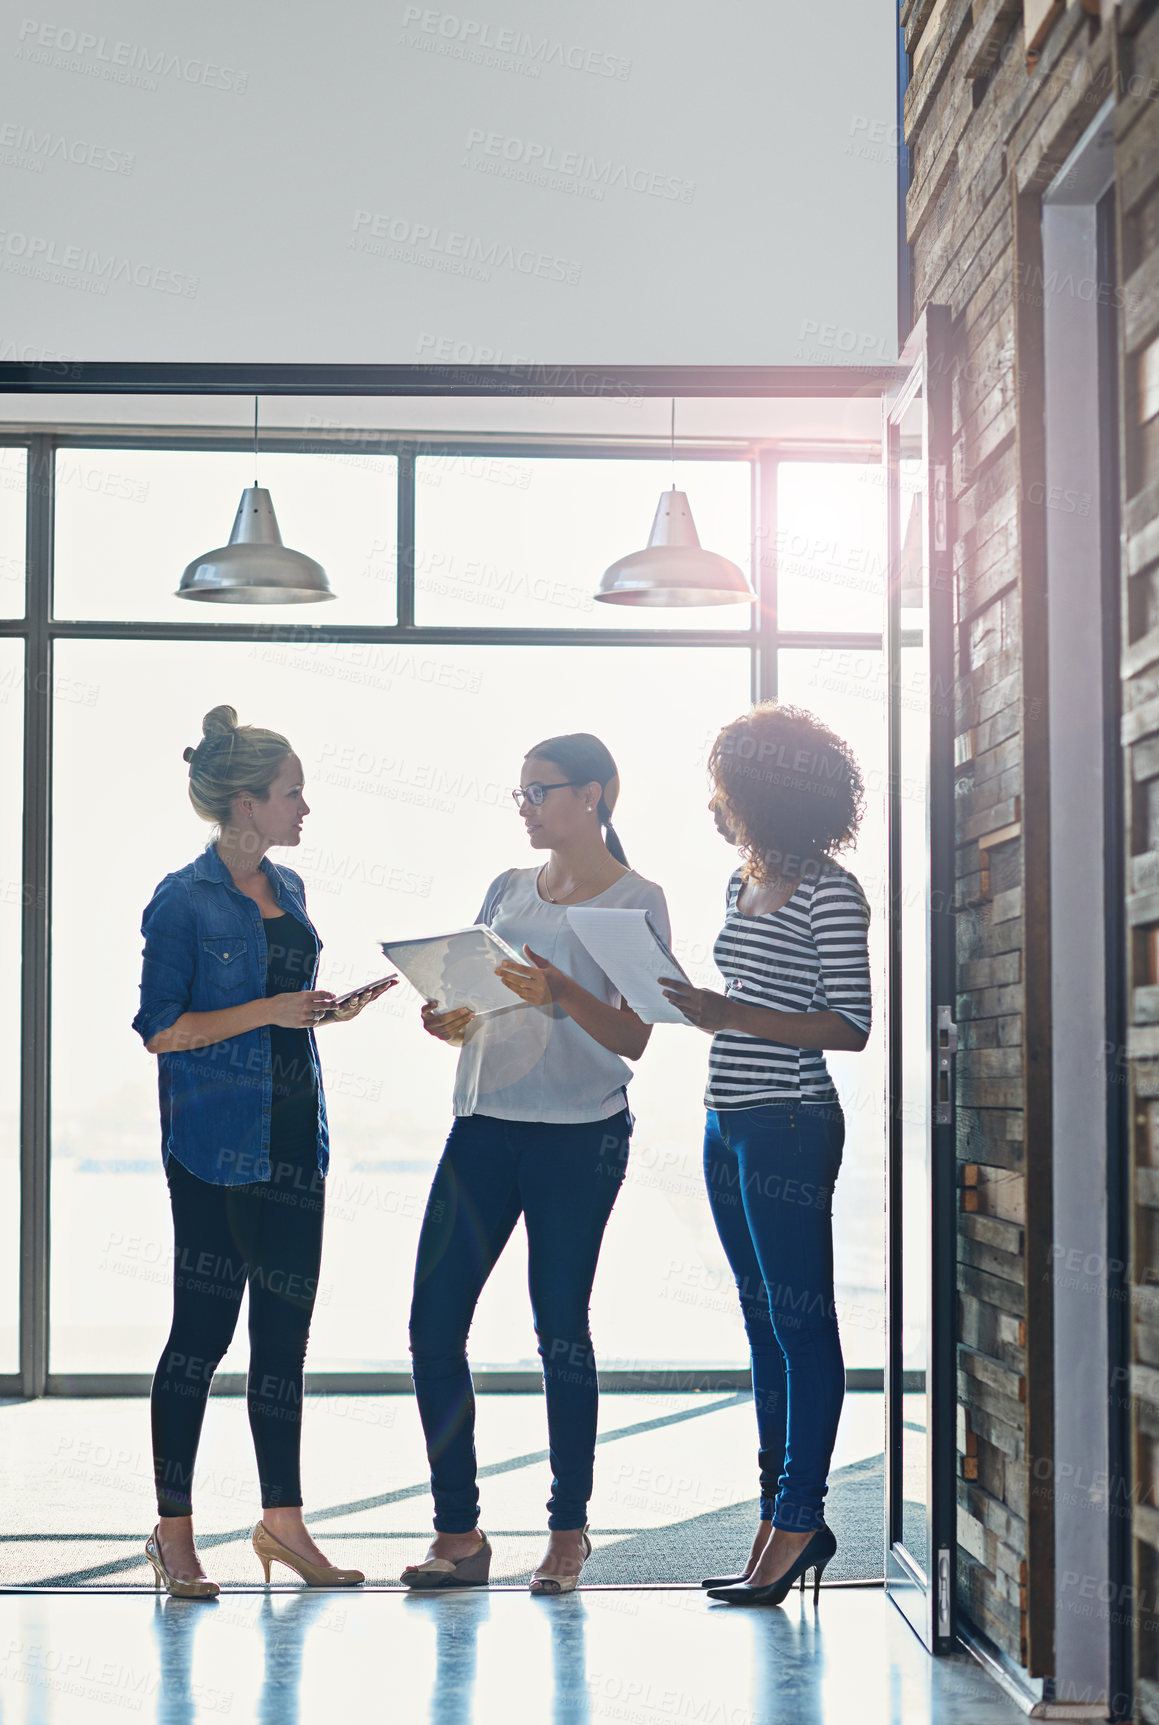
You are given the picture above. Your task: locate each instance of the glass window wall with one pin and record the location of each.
(503, 543)
(129, 520)
(410, 748)
(830, 546)
(13, 502)
(409, 756)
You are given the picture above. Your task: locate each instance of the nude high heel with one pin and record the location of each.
(550, 1585)
(270, 1550)
(179, 1589)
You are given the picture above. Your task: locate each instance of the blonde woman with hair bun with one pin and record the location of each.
(229, 1006)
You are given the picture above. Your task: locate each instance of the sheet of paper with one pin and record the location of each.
(631, 954)
(457, 969)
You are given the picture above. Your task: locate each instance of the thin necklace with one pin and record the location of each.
(544, 886)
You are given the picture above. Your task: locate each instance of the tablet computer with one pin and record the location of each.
(458, 968)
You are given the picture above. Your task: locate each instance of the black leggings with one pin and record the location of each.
(268, 1235)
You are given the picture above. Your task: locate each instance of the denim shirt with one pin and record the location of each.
(205, 949)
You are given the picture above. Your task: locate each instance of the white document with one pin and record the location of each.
(457, 969)
(628, 949)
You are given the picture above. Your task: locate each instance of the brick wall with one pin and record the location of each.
(988, 125)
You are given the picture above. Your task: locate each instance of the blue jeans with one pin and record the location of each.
(564, 1181)
(770, 1172)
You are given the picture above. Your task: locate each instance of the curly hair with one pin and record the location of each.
(789, 788)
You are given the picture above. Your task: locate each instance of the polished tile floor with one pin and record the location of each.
(646, 1658)
(76, 1475)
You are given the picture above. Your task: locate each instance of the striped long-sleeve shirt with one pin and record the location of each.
(808, 956)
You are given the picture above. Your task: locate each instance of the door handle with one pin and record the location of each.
(945, 1048)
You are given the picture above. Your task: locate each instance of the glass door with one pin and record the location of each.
(920, 1171)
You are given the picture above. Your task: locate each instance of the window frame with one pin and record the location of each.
(40, 630)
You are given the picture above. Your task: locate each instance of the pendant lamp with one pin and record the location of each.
(255, 568)
(674, 568)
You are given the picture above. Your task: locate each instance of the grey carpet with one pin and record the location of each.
(677, 1553)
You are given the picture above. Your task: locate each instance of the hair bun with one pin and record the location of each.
(188, 754)
(219, 722)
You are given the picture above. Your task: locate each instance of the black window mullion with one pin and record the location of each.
(36, 921)
(405, 535)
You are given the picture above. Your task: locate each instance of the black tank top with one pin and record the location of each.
(292, 954)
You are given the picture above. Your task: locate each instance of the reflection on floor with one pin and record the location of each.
(674, 1498)
(646, 1657)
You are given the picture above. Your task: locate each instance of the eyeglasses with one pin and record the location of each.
(536, 793)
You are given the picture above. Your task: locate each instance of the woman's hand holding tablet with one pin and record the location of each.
(350, 1005)
(450, 1027)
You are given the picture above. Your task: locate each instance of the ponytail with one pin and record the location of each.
(611, 836)
(583, 758)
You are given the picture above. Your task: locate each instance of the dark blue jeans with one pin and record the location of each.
(563, 1180)
(770, 1172)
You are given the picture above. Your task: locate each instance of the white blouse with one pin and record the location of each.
(535, 1062)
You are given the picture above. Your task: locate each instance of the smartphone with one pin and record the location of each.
(345, 999)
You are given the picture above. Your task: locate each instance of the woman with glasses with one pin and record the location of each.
(541, 1130)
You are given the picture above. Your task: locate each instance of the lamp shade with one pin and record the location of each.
(255, 568)
(674, 568)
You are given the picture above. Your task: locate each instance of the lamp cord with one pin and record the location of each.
(255, 442)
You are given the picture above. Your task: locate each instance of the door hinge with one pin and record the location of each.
(944, 1591)
(945, 1048)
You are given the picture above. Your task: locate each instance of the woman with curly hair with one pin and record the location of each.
(788, 794)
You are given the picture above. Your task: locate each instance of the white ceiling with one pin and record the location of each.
(601, 182)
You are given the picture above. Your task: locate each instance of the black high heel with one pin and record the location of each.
(724, 1580)
(816, 1556)
(735, 1580)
